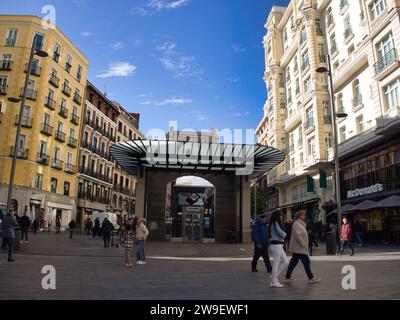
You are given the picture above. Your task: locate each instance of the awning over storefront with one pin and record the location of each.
(391, 202)
(345, 209)
(366, 205)
(250, 160)
(293, 205)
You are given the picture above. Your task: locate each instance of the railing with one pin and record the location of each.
(69, 168)
(74, 119)
(22, 153)
(72, 142)
(66, 90)
(6, 65)
(57, 164)
(46, 129)
(3, 89)
(94, 198)
(357, 100)
(63, 112)
(26, 122)
(387, 60)
(10, 42)
(77, 98)
(309, 124)
(43, 159)
(50, 103)
(35, 70)
(54, 80)
(60, 136)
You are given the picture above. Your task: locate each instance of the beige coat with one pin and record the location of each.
(299, 238)
(141, 232)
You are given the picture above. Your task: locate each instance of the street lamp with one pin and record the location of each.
(33, 52)
(334, 115)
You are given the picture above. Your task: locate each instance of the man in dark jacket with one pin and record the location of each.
(8, 226)
(106, 228)
(260, 237)
(71, 227)
(25, 223)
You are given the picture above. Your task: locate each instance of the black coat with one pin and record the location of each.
(107, 227)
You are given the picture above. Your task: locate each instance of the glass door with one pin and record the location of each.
(192, 227)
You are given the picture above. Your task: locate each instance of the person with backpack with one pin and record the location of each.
(260, 237)
(346, 237)
(280, 260)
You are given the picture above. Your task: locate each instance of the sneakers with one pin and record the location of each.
(314, 280)
(140, 262)
(11, 260)
(143, 262)
(276, 285)
(290, 280)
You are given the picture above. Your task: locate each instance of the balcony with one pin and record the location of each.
(31, 94)
(77, 98)
(35, 70)
(386, 64)
(50, 103)
(69, 168)
(46, 129)
(63, 112)
(309, 125)
(348, 35)
(22, 153)
(26, 122)
(293, 119)
(344, 5)
(327, 119)
(10, 42)
(54, 80)
(43, 159)
(72, 142)
(60, 136)
(6, 65)
(357, 103)
(75, 119)
(66, 90)
(57, 164)
(3, 90)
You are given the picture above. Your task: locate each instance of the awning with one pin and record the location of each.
(242, 159)
(391, 202)
(345, 209)
(366, 205)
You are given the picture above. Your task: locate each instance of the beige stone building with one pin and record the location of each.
(361, 38)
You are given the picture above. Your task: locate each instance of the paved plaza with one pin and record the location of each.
(182, 271)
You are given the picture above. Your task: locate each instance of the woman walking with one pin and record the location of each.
(299, 248)
(141, 236)
(280, 260)
(128, 237)
(346, 237)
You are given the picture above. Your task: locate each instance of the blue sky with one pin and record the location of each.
(197, 62)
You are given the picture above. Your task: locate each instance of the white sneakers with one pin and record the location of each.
(140, 262)
(276, 285)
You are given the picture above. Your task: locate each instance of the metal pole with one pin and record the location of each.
(255, 199)
(15, 150)
(335, 148)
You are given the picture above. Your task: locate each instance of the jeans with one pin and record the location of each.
(24, 231)
(140, 256)
(280, 261)
(10, 243)
(258, 253)
(343, 244)
(106, 238)
(305, 260)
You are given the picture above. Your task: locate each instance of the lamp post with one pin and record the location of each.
(334, 115)
(33, 52)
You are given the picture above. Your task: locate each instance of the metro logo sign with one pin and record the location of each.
(364, 191)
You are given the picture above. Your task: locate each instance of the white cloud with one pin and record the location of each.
(118, 46)
(238, 48)
(200, 116)
(87, 34)
(241, 114)
(154, 6)
(174, 101)
(118, 69)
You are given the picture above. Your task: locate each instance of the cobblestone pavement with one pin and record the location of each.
(182, 271)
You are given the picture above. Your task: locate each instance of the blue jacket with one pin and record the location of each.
(260, 233)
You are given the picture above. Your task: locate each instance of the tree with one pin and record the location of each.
(262, 199)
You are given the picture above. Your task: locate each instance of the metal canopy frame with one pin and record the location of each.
(193, 156)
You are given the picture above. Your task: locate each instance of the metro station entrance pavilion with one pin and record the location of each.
(197, 192)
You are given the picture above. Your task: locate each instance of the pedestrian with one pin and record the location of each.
(96, 229)
(34, 225)
(280, 260)
(260, 237)
(106, 229)
(299, 248)
(345, 237)
(311, 230)
(88, 226)
(25, 223)
(358, 231)
(9, 225)
(127, 239)
(141, 235)
(71, 227)
(288, 230)
(58, 224)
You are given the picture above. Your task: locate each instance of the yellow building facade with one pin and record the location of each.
(46, 174)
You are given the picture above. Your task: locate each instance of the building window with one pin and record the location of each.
(39, 181)
(305, 61)
(357, 98)
(94, 144)
(342, 134)
(377, 7)
(309, 117)
(333, 44)
(328, 140)
(11, 39)
(348, 30)
(79, 73)
(329, 17)
(360, 124)
(318, 27)
(312, 152)
(53, 185)
(339, 102)
(68, 64)
(39, 41)
(307, 84)
(392, 94)
(57, 53)
(67, 186)
(3, 85)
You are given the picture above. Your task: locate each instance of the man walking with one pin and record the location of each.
(106, 229)
(71, 227)
(260, 237)
(8, 225)
(25, 223)
(299, 248)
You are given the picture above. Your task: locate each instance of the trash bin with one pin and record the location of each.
(330, 244)
(17, 240)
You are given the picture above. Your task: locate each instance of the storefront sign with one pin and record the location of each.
(364, 191)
